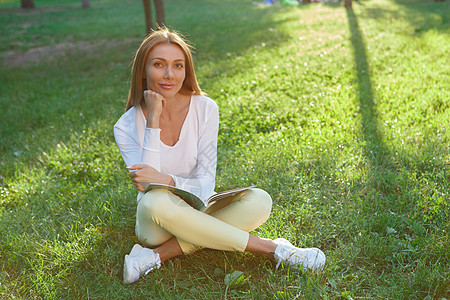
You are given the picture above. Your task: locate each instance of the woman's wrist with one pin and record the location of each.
(170, 180)
(165, 179)
(152, 121)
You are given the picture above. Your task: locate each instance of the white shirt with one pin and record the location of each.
(191, 161)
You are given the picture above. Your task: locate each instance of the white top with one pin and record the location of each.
(191, 161)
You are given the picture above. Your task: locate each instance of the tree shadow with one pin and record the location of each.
(421, 15)
(384, 164)
(375, 149)
(388, 168)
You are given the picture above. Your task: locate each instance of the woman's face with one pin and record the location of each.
(165, 69)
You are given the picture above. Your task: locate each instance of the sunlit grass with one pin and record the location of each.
(342, 117)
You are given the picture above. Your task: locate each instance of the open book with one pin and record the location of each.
(192, 199)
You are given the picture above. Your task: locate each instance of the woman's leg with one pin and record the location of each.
(170, 216)
(169, 250)
(161, 215)
(247, 211)
(262, 246)
(257, 245)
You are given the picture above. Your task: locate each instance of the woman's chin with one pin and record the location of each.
(168, 93)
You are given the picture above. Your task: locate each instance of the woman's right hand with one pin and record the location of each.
(155, 105)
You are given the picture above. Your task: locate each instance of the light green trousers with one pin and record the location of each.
(223, 225)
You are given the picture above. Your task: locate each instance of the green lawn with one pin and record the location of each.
(342, 116)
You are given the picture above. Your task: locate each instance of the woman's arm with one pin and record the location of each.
(132, 152)
(144, 162)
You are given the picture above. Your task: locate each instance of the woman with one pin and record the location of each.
(168, 135)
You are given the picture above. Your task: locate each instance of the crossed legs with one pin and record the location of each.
(166, 222)
(172, 227)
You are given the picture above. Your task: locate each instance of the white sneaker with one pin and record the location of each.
(308, 258)
(136, 250)
(139, 262)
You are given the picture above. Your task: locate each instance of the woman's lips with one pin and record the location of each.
(166, 86)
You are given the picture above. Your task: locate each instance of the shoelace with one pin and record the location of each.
(149, 270)
(286, 253)
(154, 266)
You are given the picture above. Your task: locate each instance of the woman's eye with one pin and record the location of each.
(179, 66)
(157, 64)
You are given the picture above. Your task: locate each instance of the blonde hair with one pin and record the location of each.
(138, 83)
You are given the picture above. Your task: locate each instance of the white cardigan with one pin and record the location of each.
(191, 161)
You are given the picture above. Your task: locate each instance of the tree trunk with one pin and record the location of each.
(85, 4)
(148, 15)
(160, 14)
(348, 3)
(27, 4)
(306, 1)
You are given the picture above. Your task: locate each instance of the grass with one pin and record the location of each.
(342, 116)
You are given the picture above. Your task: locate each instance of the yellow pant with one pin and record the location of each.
(223, 225)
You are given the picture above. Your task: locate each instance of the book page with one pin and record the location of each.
(228, 193)
(192, 199)
(189, 198)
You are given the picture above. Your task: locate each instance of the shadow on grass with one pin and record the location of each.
(383, 163)
(422, 15)
(375, 148)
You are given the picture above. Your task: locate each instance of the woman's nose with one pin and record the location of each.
(168, 73)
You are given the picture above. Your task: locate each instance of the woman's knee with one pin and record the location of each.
(259, 202)
(161, 206)
(261, 199)
(255, 210)
(153, 203)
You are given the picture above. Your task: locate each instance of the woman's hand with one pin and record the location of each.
(143, 175)
(155, 104)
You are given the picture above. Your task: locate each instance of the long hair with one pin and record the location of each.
(138, 83)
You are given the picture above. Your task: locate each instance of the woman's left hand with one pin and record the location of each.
(143, 175)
